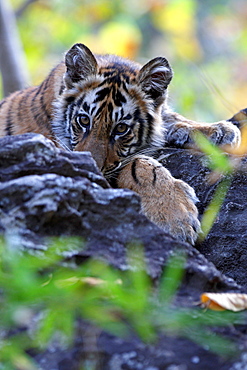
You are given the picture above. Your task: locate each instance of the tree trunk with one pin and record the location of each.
(12, 58)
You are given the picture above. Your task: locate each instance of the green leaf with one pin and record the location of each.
(217, 158)
(171, 278)
(213, 342)
(213, 209)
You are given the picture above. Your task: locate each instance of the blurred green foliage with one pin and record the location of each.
(222, 171)
(46, 296)
(205, 42)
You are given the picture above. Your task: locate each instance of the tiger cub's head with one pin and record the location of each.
(111, 106)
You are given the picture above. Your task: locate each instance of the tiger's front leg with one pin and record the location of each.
(168, 202)
(180, 131)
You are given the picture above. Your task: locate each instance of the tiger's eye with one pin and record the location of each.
(121, 129)
(83, 120)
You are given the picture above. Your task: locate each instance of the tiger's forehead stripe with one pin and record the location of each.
(102, 94)
(86, 107)
(118, 72)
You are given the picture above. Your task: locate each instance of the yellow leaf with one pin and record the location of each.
(224, 301)
(121, 38)
(177, 18)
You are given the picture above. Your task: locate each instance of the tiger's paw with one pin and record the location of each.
(175, 212)
(167, 202)
(220, 133)
(223, 133)
(183, 220)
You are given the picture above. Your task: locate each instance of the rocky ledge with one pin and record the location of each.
(48, 192)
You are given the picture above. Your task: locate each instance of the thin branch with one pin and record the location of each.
(12, 58)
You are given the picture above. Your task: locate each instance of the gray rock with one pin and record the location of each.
(48, 192)
(226, 244)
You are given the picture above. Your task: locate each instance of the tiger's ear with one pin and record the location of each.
(154, 77)
(80, 63)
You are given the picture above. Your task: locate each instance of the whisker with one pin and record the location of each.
(112, 173)
(61, 143)
(145, 151)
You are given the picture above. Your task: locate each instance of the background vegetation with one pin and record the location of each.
(205, 42)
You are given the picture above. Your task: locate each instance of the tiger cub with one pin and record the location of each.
(117, 110)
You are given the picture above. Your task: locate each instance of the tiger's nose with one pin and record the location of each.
(96, 147)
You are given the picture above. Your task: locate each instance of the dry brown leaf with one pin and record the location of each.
(224, 301)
